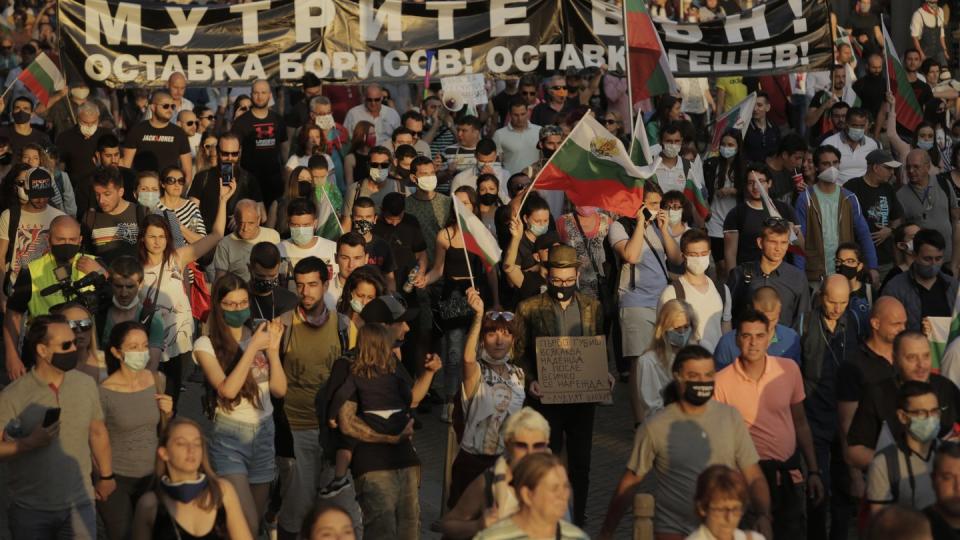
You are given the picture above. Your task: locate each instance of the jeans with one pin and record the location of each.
(241, 448)
(453, 343)
(572, 424)
(78, 522)
(117, 510)
(837, 502)
(390, 503)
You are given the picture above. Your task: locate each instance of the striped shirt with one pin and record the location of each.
(189, 216)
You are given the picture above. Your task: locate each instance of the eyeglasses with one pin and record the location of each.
(563, 282)
(726, 510)
(229, 154)
(924, 413)
(233, 306)
(81, 325)
(190, 123)
(208, 117)
(499, 315)
(847, 262)
(170, 180)
(374, 100)
(415, 133)
(166, 105)
(209, 146)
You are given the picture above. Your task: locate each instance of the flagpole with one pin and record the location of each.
(333, 209)
(626, 71)
(463, 240)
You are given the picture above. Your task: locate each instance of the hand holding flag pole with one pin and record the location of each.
(463, 240)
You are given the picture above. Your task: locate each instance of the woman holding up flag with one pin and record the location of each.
(465, 248)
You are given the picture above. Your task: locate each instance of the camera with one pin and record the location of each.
(73, 290)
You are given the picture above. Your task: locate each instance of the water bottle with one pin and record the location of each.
(408, 286)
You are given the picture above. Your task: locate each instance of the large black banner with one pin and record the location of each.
(778, 36)
(127, 44)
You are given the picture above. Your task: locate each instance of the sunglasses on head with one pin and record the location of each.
(170, 180)
(773, 222)
(499, 315)
(81, 325)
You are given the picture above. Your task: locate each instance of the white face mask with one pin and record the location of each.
(79, 94)
(325, 121)
(674, 216)
(88, 130)
(427, 183)
(830, 175)
(698, 265)
(22, 194)
(671, 150)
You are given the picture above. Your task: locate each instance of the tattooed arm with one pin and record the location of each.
(354, 427)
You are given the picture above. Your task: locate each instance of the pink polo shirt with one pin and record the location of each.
(765, 403)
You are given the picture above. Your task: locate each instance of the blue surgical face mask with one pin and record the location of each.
(924, 429)
(537, 229)
(924, 145)
(356, 305)
(678, 338)
(728, 151)
(855, 134)
(301, 236)
(136, 360)
(184, 491)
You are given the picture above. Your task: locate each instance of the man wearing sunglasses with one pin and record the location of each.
(51, 457)
(561, 311)
(383, 117)
(205, 188)
(156, 143)
(188, 122)
(413, 121)
(489, 497)
(556, 103)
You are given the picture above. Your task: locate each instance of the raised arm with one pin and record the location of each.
(900, 148)
(191, 252)
(471, 370)
(510, 267)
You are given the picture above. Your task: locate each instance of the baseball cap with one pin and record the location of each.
(882, 157)
(562, 256)
(39, 184)
(387, 309)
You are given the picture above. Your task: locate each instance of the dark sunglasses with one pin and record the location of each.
(529, 93)
(374, 100)
(166, 105)
(416, 133)
(66, 344)
(610, 121)
(229, 154)
(190, 123)
(171, 180)
(773, 222)
(380, 166)
(558, 88)
(499, 315)
(210, 117)
(81, 325)
(209, 146)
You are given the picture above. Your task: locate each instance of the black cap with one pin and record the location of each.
(386, 309)
(39, 184)
(546, 240)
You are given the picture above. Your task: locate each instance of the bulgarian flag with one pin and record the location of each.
(476, 237)
(328, 224)
(593, 168)
(908, 109)
(736, 118)
(943, 330)
(694, 194)
(640, 156)
(647, 67)
(42, 78)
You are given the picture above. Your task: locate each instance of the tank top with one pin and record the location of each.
(167, 528)
(455, 263)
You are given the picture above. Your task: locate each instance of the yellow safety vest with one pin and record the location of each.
(41, 277)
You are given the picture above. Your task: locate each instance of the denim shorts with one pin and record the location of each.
(241, 448)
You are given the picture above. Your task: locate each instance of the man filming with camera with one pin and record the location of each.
(59, 276)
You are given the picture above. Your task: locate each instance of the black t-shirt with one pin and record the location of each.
(18, 141)
(534, 284)
(380, 255)
(880, 207)
(861, 369)
(111, 236)
(939, 527)
(545, 115)
(206, 189)
(157, 148)
(871, 91)
(923, 91)
(748, 222)
(933, 302)
(260, 140)
(878, 405)
(369, 457)
(272, 305)
(863, 24)
(405, 241)
(77, 151)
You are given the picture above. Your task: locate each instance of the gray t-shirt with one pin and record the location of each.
(678, 447)
(917, 494)
(930, 209)
(56, 476)
(651, 278)
(132, 419)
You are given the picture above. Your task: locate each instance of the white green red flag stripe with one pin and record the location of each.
(736, 118)
(639, 145)
(943, 330)
(647, 67)
(694, 194)
(593, 169)
(909, 112)
(328, 224)
(42, 78)
(476, 236)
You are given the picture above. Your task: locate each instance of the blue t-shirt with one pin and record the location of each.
(785, 344)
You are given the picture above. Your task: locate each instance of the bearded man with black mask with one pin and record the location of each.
(46, 274)
(565, 309)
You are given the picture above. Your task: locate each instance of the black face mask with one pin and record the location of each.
(561, 293)
(21, 117)
(65, 361)
(64, 253)
(546, 152)
(489, 199)
(698, 393)
(848, 272)
(305, 189)
(6, 159)
(263, 286)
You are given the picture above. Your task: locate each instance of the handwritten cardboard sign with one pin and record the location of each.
(470, 87)
(572, 369)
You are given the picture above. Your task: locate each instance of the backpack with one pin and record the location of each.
(681, 292)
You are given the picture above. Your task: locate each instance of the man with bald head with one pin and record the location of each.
(177, 85)
(157, 143)
(911, 362)
(233, 253)
(187, 120)
(263, 139)
(384, 118)
(78, 144)
(926, 203)
(828, 334)
(64, 260)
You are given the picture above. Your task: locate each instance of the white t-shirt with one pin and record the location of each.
(708, 306)
(334, 292)
(323, 249)
(495, 399)
(923, 18)
(31, 237)
(245, 411)
(301, 161)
